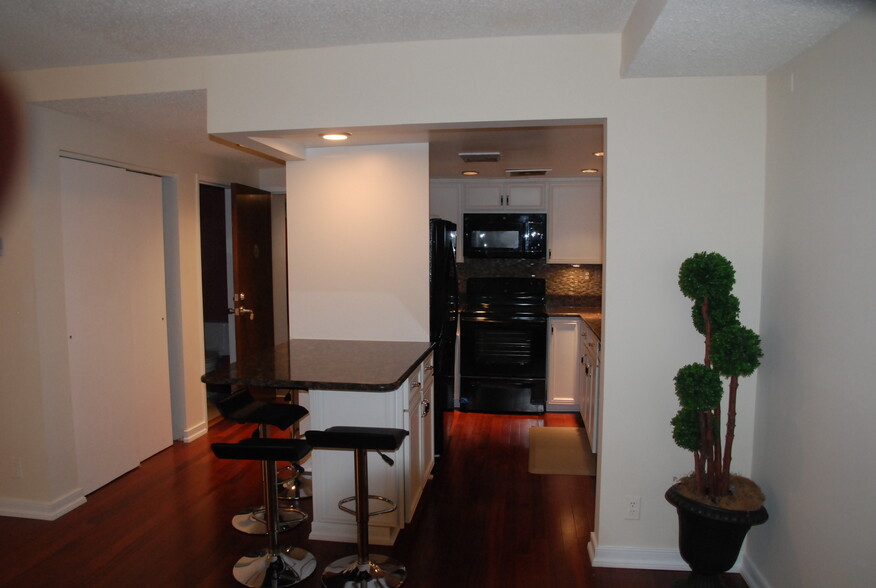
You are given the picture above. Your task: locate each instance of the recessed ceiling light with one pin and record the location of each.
(599, 154)
(590, 171)
(335, 136)
(470, 172)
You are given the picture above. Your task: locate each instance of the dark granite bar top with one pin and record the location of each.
(326, 364)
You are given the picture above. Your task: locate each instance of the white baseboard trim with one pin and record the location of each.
(619, 556)
(193, 433)
(753, 576)
(43, 511)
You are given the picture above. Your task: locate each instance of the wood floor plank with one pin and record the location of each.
(483, 521)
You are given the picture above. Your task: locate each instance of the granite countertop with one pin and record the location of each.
(326, 364)
(592, 315)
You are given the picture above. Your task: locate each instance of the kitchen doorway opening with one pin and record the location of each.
(244, 292)
(552, 160)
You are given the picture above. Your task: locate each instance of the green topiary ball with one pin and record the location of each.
(736, 351)
(698, 387)
(723, 312)
(686, 429)
(706, 274)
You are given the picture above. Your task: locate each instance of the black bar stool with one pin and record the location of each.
(241, 407)
(273, 566)
(362, 570)
(294, 482)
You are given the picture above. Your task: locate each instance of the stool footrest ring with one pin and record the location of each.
(391, 508)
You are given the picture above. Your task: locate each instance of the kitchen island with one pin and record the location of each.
(353, 383)
(326, 364)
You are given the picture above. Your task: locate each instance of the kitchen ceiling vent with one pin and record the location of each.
(516, 173)
(480, 156)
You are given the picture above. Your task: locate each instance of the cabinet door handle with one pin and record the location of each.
(427, 406)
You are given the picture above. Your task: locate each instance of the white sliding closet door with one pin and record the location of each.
(115, 303)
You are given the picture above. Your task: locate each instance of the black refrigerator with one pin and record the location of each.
(443, 307)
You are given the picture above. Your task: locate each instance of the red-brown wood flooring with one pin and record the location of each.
(483, 521)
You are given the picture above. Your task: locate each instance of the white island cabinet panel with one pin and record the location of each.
(420, 452)
(334, 472)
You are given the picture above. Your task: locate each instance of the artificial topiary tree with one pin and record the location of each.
(731, 351)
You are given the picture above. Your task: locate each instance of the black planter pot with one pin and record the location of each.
(709, 538)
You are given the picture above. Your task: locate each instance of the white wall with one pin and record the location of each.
(359, 243)
(36, 424)
(816, 404)
(685, 173)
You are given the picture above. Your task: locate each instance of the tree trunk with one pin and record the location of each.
(730, 433)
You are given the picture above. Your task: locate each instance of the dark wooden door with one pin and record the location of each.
(253, 269)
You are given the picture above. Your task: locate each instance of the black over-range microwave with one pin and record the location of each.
(505, 235)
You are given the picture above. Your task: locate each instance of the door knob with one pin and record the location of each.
(242, 311)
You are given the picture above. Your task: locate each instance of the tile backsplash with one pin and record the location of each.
(560, 280)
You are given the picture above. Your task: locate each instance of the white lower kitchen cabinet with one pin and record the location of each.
(589, 400)
(420, 452)
(564, 364)
(402, 482)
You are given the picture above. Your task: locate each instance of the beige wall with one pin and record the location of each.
(816, 404)
(36, 423)
(685, 173)
(358, 227)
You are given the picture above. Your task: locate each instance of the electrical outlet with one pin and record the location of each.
(632, 508)
(16, 471)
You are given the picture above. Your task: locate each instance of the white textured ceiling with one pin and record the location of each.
(661, 38)
(733, 37)
(54, 33)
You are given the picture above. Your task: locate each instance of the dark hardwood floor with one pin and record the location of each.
(483, 521)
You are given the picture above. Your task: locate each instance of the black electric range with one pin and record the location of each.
(503, 346)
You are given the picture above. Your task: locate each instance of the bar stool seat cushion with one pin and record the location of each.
(376, 438)
(259, 449)
(241, 407)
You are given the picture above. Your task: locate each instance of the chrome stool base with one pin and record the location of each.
(252, 520)
(380, 571)
(290, 566)
(297, 487)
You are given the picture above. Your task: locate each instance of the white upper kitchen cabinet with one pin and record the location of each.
(504, 195)
(575, 221)
(444, 200)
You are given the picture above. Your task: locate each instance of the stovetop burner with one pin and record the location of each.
(505, 297)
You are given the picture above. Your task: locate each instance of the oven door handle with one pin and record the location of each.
(506, 320)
